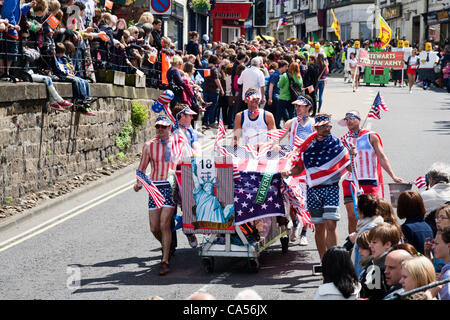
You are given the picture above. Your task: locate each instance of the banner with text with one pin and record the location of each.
(393, 60)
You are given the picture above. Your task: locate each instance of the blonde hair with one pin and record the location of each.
(421, 270)
(107, 18)
(133, 29)
(53, 6)
(146, 17)
(176, 60)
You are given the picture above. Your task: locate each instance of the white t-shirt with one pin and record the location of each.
(251, 78)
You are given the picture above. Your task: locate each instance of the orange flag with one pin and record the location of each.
(207, 73)
(165, 65)
(109, 4)
(52, 21)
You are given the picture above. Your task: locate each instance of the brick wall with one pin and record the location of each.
(38, 148)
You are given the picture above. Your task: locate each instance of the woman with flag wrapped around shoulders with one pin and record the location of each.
(324, 158)
(298, 129)
(370, 158)
(157, 153)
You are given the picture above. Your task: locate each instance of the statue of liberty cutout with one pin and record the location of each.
(208, 208)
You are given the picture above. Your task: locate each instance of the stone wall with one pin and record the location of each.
(38, 148)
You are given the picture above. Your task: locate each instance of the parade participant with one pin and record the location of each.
(317, 50)
(252, 124)
(322, 176)
(428, 60)
(412, 65)
(300, 128)
(354, 70)
(396, 74)
(370, 158)
(157, 153)
(323, 67)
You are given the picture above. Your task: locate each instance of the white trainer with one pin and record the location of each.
(303, 241)
(293, 235)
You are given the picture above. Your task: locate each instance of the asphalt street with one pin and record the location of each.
(97, 244)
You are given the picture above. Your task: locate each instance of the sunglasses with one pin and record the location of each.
(440, 219)
(160, 126)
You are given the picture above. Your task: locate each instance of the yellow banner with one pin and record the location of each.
(385, 33)
(335, 26)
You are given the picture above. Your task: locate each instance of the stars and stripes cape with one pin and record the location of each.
(322, 159)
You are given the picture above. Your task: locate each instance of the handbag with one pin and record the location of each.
(294, 88)
(176, 89)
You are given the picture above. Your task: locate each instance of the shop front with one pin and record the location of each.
(438, 26)
(394, 17)
(228, 20)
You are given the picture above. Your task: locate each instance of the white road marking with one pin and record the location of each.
(11, 242)
(63, 217)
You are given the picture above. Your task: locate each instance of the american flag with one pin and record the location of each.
(221, 131)
(324, 159)
(378, 104)
(276, 134)
(420, 182)
(245, 194)
(151, 188)
(292, 190)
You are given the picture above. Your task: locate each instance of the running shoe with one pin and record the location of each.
(303, 241)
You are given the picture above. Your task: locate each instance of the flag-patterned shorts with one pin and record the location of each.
(166, 190)
(323, 203)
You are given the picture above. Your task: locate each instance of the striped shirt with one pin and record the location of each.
(153, 153)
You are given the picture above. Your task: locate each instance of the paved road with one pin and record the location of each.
(102, 237)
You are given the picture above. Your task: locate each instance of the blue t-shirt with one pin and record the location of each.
(274, 78)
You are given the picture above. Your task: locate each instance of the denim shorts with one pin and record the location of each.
(12, 48)
(323, 203)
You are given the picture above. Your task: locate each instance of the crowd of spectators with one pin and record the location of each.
(388, 260)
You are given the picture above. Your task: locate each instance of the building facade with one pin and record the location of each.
(413, 20)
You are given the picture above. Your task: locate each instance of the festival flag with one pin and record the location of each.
(109, 4)
(257, 195)
(276, 134)
(206, 73)
(420, 182)
(378, 104)
(221, 130)
(52, 21)
(335, 25)
(385, 33)
(281, 22)
(151, 188)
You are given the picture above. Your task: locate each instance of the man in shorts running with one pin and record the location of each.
(157, 153)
